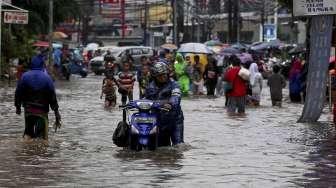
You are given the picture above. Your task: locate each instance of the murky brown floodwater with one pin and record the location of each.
(267, 148)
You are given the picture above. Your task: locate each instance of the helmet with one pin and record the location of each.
(159, 68)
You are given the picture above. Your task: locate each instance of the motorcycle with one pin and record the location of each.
(142, 126)
(77, 67)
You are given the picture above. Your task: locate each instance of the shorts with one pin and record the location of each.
(36, 125)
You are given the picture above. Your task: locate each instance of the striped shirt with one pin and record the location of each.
(126, 80)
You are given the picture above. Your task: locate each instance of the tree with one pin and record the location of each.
(18, 39)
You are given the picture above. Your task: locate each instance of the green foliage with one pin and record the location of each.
(17, 41)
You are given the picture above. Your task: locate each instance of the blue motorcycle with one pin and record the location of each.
(143, 128)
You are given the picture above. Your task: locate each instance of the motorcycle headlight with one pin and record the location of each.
(134, 130)
(144, 105)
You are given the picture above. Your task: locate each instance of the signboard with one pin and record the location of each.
(314, 7)
(16, 17)
(110, 8)
(320, 43)
(269, 32)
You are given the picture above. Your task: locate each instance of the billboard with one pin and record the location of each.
(314, 7)
(270, 32)
(16, 17)
(110, 8)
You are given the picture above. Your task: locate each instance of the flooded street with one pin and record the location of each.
(266, 148)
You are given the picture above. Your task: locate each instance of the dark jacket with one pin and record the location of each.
(171, 93)
(35, 91)
(276, 82)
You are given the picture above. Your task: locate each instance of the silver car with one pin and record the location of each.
(97, 63)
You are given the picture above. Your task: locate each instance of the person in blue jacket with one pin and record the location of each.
(168, 93)
(35, 91)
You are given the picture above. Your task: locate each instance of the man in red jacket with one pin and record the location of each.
(237, 95)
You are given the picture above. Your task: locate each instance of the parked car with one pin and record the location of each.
(97, 64)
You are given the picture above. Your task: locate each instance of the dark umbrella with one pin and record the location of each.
(245, 57)
(267, 45)
(229, 50)
(239, 46)
(298, 49)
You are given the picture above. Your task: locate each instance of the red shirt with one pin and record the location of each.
(239, 86)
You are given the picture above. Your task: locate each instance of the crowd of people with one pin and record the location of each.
(167, 77)
(240, 83)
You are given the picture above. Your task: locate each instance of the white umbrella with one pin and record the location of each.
(92, 46)
(196, 48)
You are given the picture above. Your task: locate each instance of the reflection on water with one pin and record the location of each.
(264, 148)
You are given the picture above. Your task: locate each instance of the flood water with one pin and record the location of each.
(265, 148)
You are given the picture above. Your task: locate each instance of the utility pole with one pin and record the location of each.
(276, 19)
(198, 29)
(51, 19)
(174, 4)
(262, 15)
(235, 22)
(229, 21)
(238, 21)
(0, 39)
(123, 24)
(145, 24)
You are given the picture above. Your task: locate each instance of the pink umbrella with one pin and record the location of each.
(41, 44)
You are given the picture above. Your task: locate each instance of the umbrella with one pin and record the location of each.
(196, 48)
(239, 46)
(267, 45)
(41, 44)
(332, 59)
(213, 43)
(229, 50)
(169, 46)
(92, 46)
(59, 35)
(245, 57)
(298, 49)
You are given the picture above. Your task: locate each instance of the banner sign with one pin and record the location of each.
(320, 44)
(314, 7)
(270, 32)
(16, 17)
(110, 8)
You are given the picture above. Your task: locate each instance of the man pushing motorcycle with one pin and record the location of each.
(168, 93)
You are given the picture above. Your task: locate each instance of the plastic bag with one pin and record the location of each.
(244, 73)
(120, 135)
